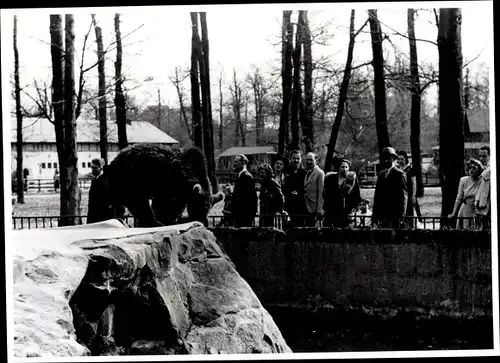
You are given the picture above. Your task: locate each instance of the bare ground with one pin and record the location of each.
(47, 204)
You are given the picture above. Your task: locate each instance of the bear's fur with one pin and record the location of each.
(170, 178)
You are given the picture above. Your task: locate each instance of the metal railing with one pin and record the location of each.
(279, 221)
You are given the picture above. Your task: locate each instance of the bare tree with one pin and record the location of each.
(103, 125)
(451, 117)
(19, 118)
(307, 111)
(120, 104)
(236, 103)
(415, 106)
(195, 85)
(256, 82)
(286, 79)
(344, 87)
(221, 115)
(177, 82)
(379, 82)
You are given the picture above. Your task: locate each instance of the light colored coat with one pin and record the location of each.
(313, 190)
(482, 198)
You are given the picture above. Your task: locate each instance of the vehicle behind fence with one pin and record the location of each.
(278, 221)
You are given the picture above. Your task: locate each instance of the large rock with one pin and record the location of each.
(105, 289)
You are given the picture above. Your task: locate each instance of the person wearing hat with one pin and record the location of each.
(391, 192)
(341, 195)
(244, 206)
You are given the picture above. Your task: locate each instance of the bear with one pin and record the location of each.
(172, 179)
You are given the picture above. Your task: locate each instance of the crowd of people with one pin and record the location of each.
(293, 193)
(286, 192)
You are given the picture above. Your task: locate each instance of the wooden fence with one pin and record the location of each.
(41, 185)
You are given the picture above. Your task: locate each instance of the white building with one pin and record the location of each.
(40, 152)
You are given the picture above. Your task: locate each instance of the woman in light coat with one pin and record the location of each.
(468, 187)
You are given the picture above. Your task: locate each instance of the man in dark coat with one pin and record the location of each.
(391, 192)
(293, 190)
(341, 195)
(100, 206)
(244, 195)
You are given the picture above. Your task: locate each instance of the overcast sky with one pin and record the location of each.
(240, 36)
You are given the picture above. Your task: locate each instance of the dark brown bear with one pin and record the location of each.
(171, 179)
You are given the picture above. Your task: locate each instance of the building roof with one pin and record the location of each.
(42, 130)
(469, 145)
(248, 150)
(479, 120)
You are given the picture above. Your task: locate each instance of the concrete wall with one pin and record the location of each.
(449, 271)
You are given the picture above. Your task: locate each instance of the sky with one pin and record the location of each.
(158, 38)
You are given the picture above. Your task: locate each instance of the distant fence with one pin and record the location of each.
(44, 185)
(277, 221)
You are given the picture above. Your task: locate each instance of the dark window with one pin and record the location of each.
(89, 164)
(83, 165)
(49, 165)
(55, 165)
(43, 165)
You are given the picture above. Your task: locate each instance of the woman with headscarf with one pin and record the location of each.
(280, 166)
(467, 188)
(341, 195)
(271, 198)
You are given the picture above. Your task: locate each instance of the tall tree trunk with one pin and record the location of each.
(57, 57)
(221, 114)
(208, 126)
(67, 153)
(379, 82)
(19, 118)
(297, 89)
(286, 79)
(237, 111)
(121, 110)
(307, 123)
(451, 117)
(344, 87)
(244, 124)
(195, 85)
(415, 105)
(258, 95)
(103, 125)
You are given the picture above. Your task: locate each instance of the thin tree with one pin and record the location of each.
(177, 82)
(19, 118)
(296, 85)
(208, 127)
(379, 82)
(221, 113)
(451, 115)
(103, 125)
(307, 111)
(195, 85)
(344, 87)
(257, 83)
(286, 79)
(415, 105)
(120, 103)
(236, 95)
